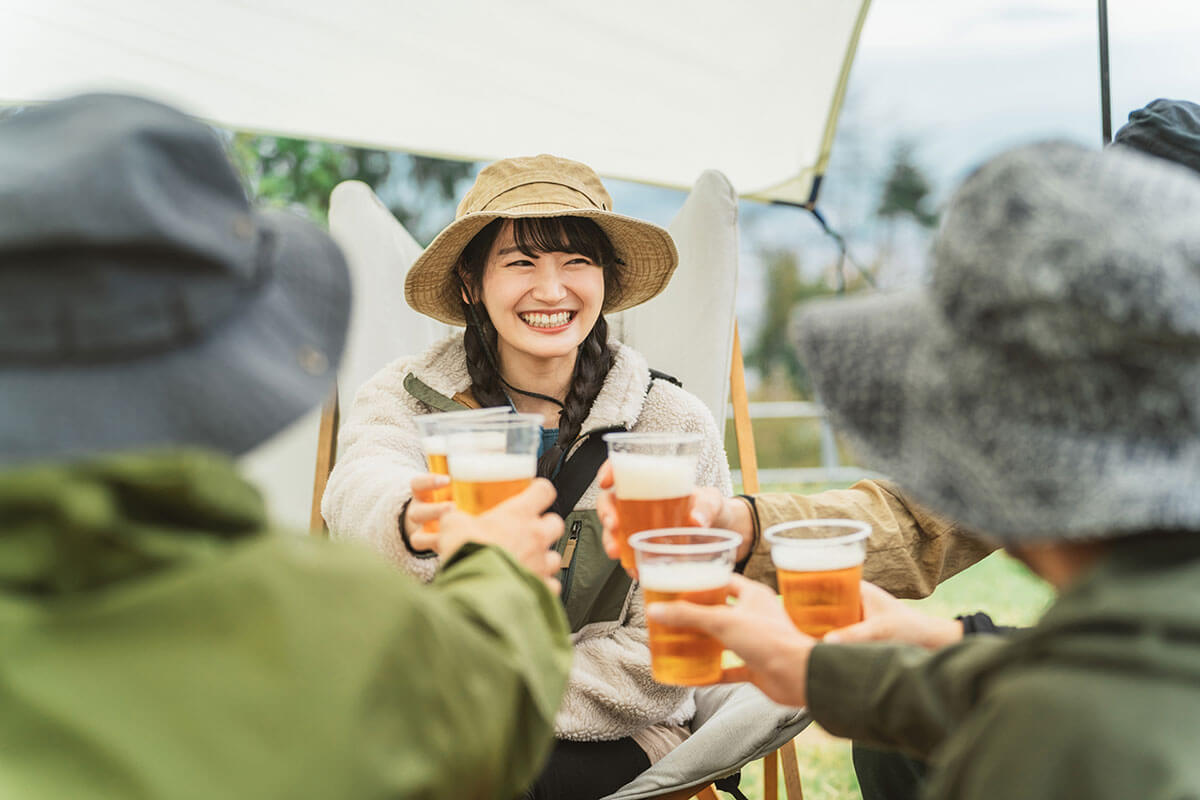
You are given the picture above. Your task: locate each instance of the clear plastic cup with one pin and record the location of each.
(490, 460)
(654, 475)
(693, 564)
(433, 442)
(818, 563)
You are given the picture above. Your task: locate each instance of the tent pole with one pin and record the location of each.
(1105, 100)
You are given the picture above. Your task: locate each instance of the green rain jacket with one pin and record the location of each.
(157, 642)
(1101, 700)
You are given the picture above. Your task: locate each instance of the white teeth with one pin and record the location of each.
(547, 320)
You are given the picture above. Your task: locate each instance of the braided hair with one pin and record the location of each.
(534, 235)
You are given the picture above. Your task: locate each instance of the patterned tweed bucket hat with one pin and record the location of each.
(1047, 384)
(540, 186)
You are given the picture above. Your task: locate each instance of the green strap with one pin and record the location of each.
(430, 397)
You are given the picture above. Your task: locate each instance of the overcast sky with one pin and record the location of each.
(965, 79)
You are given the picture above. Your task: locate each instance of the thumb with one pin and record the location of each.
(605, 474)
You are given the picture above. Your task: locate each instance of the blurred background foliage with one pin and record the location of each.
(300, 174)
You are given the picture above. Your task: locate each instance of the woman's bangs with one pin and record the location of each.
(536, 235)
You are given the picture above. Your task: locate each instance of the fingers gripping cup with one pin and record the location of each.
(490, 460)
(691, 564)
(654, 475)
(819, 565)
(433, 442)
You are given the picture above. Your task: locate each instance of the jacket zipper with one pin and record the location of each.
(569, 558)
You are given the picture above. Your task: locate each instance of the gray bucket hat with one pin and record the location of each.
(1165, 128)
(1047, 384)
(142, 301)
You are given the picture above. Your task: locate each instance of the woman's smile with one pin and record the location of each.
(550, 321)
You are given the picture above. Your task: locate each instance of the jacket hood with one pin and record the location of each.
(1138, 609)
(77, 527)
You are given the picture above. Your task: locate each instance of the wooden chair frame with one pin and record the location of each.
(747, 457)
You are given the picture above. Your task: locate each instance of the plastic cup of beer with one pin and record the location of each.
(654, 475)
(692, 564)
(492, 459)
(433, 442)
(819, 565)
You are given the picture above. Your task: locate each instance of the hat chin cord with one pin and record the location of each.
(474, 321)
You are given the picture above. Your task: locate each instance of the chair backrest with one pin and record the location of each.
(687, 331)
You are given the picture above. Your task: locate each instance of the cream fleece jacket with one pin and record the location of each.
(611, 693)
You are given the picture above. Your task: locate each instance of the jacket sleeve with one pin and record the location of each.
(911, 550)
(465, 703)
(379, 453)
(898, 696)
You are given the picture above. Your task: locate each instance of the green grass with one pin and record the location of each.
(999, 585)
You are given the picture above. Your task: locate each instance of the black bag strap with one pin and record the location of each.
(578, 472)
(730, 784)
(662, 376)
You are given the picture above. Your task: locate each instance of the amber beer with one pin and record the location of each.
(653, 478)
(433, 442)
(688, 564)
(684, 656)
(650, 492)
(480, 481)
(435, 458)
(819, 566)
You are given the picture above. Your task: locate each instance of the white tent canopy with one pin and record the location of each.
(649, 91)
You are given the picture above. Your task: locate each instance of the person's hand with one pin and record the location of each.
(517, 525)
(709, 509)
(887, 619)
(757, 629)
(422, 511)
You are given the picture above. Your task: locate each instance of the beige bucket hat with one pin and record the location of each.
(540, 186)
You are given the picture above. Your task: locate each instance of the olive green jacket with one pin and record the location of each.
(911, 549)
(157, 642)
(1100, 700)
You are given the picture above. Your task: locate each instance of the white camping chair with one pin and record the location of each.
(734, 724)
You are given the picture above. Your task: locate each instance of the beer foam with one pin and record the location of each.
(641, 476)
(476, 441)
(816, 558)
(434, 445)
(683, 576)
(491, 467)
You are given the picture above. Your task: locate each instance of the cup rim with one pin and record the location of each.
(652, 437)
(857, 531)
(466, 415)
(722, 541)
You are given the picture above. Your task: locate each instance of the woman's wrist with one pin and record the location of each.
(738, 515)
(404, 536)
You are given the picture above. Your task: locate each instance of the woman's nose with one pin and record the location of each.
(548, 286)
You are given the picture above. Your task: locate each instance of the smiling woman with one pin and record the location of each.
(533, 261)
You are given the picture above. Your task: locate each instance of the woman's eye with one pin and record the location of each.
(581, 260)
(520, 262)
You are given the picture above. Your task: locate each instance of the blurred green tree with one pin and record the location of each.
(299, 173)
(906, 188)
(772, 353)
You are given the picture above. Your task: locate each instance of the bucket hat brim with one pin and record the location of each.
(967, 431)
(241, 382)
(647, 254)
